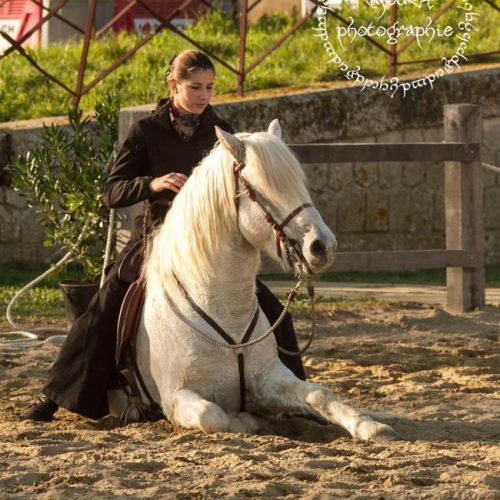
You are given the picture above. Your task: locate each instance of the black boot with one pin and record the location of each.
(42, 410)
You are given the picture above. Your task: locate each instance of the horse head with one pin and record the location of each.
(275, 211)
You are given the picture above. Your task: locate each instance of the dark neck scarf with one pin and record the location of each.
(186, 119)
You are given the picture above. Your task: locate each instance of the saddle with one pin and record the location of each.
(129, 271)
(129, 317)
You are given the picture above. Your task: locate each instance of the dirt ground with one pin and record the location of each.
(432, 375)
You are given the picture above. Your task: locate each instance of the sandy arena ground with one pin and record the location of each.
(432, 374)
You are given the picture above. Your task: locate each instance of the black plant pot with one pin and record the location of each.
(77, 296)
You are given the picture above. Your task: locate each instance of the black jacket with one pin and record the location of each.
(153, 148)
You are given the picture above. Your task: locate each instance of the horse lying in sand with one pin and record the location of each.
(200, 283)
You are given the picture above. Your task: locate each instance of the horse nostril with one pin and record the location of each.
(318, 248)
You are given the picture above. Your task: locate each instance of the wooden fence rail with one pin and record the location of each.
(464, 254)
(386, 152)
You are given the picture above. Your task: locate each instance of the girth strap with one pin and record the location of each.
(226, 337)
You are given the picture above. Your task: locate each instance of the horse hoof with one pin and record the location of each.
(252, 424)
(237, 426)
(370, 430)
(244, 423)
(388, 434)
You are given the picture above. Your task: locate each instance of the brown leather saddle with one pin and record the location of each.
(129, 271)
(128, 320)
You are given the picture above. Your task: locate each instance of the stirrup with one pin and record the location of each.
(132, 414)
(136, 410)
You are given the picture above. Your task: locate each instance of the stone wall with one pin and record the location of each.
(384, 206)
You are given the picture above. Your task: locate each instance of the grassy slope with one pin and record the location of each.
(301, 60)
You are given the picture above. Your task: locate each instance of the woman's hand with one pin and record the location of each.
(173, 181)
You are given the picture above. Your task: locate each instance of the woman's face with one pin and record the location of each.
(193, 94)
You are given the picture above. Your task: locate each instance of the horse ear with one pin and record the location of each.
(275, 128)
(231, 143)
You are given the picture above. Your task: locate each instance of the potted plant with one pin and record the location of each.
(62, 179)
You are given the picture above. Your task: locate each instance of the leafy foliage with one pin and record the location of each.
(62, 180)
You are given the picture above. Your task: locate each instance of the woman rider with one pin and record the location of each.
(152, 166)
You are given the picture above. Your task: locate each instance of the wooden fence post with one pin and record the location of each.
(464, 209)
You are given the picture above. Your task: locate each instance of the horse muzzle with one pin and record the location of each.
(319, 249)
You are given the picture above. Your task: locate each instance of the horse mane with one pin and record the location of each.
(204, 209)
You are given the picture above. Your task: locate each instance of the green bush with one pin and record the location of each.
(62, 179)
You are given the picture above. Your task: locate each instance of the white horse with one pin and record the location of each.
(210, 245)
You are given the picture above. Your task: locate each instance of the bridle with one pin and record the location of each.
(293, 252)
(293, 255)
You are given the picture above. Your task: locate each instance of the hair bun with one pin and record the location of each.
(185, 62)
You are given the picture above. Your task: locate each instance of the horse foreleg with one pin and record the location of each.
(192, 411)
(283, 392)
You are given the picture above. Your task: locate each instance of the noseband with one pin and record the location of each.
(293, 252)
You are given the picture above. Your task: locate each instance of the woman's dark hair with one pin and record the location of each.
(184, 63)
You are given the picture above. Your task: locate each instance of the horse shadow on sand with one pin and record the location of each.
(430, 430)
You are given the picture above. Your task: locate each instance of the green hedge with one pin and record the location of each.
(301, 60)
